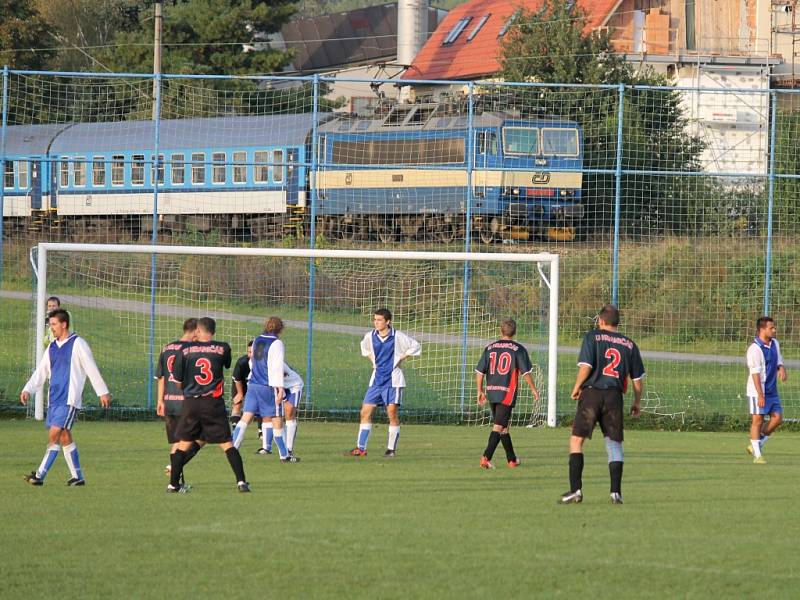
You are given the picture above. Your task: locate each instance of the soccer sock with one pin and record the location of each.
(363, 435)
(763, 440)
(74, 464)
(50, 456)
(508, 446)
(280, 443)
(191, 452)
(756, 446)
(394, 435)
(494, 439)
(235, 460)
(615, 471)
(575, 471)
(235, 419)
(176, 459)
(238, 433)
(267, 435)
(291, 432)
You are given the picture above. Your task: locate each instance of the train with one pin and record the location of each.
(407, 174)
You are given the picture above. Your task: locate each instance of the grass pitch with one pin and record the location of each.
(699, 519)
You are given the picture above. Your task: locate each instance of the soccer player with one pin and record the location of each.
(502, 363)
(265, 388)
(67, 362)
(293, 391)
(53, 303)
(607, 358)
(765, 367)
(241, 371)
(386, 348)
(200, 374)
(169, 400)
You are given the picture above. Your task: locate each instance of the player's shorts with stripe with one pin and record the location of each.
(293, 396)
(261, 399)
(383, 395)
(203, 418)
(772, 404)
(61, 415)
(599, 406)
(501, 414)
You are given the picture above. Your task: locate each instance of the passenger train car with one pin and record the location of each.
(405, 174)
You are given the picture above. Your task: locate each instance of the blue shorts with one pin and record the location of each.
(260, 399)
(772, 404)
(383, 396)
(293, 398)
(61, 415)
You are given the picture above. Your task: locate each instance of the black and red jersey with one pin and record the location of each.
(504, 362)
(202, 369)
(612, 357)
(173, 395)
(241, 371)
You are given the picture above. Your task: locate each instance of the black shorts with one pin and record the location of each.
(203, 418)
(599, 406)
(170, 423)
(501, 414)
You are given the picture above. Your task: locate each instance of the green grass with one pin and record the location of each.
(428, 524)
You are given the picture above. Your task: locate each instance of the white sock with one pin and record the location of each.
(291, 432)
(73, 462)
(756, 448)
(394, 434)
(238, 433)
(50, 456)
(266, 435)
(363, 435)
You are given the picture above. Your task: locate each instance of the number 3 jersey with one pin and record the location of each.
(504, 363)
(612, 358)
(202, 368)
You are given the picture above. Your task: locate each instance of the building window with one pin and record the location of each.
(64, 180)
(22, 174)
(117, 169)
(456, 31)
(198, 168)
(79, 171)
(218, 168)
(98, 171)
(240, 167)
(478, 27)
(277, 169)
(137, 170)
(178, 169)
(509, 23)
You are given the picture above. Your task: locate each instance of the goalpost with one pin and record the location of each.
(130, 300)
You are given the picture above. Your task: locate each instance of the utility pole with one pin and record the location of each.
(156, 50)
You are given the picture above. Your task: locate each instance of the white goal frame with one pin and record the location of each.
(539, 258)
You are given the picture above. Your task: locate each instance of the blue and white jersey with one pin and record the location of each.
(266, 365)
(385, 353)
(764, 359)
(67, 363)
(291, 379)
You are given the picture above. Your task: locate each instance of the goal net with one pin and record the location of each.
(129, 301)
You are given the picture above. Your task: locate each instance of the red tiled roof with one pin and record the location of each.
(479, 57)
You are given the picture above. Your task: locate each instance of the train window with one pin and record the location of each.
(345, 126)
(98, 171)
(397, 116)
(218, 167)
(178, 169)
(421, 115)
(487, 142)
(261, 170)
(240, 167)
(8, 179)
(277, 169)
(400, 152)
(117, 169)
(560, 141)
(363, 125)
(520, 140)
(160, 169)
(22, 174)
(79, 171)
(198, 168)
(137, 169)
(442, 122)
(64, 171)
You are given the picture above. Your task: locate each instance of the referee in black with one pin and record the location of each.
(606, 360)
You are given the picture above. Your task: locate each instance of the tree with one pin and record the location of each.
(554, 46)
(24, 41)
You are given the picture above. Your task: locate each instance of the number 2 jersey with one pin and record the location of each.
(612, 357)
(202, 368)
(504, 363)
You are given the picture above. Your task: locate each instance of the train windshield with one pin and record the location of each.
(560, 142)
(520, 140)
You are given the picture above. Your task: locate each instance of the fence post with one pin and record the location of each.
(311, 264)
(771, 199)
(3, 165)
(470, 149)
(617, 199)
(154, 235)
